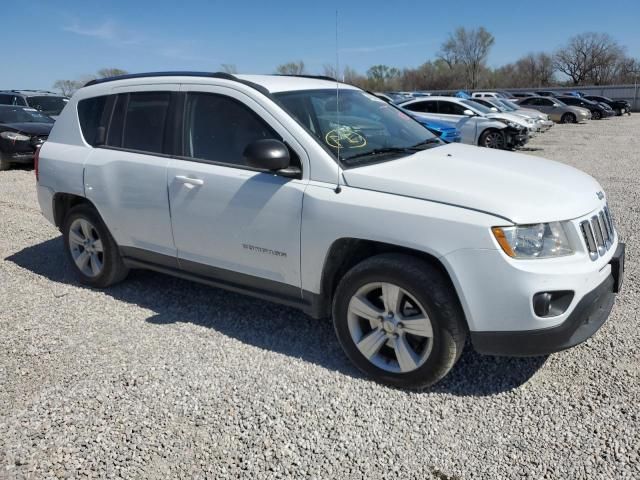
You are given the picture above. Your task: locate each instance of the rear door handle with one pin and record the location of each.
(189, 181)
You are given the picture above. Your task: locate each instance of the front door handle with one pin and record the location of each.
(189, 181)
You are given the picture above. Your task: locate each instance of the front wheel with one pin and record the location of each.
(568, 118)
(618, 112)
(493, 139)
(398, 320)
(596, 115)
(91, 250)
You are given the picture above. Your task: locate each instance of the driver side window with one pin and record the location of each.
(218, 128)
(450, 108)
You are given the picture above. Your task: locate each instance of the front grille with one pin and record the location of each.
(598, 233)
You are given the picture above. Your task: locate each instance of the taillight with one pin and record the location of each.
(36, 161)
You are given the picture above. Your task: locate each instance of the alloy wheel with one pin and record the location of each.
(390, 327)
(86, 247)
(494, 140)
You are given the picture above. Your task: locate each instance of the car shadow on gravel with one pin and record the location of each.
(266, 325)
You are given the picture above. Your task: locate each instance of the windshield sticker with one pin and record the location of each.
(345, 137)
(29, 109)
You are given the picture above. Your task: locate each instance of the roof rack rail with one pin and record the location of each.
(222, 75)
(318, 77)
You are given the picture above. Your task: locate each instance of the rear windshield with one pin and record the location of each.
(48, 104)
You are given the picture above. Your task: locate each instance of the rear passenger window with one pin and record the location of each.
(219, 128)
(141, 123)
(90, 113)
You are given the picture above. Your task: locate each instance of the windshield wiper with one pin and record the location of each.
(428, 141)
(380, 151)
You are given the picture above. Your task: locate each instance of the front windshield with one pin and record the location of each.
(363, 128)
(22, 115)
(48, 104)
(481, 108)
(495, 103)
(510, 105)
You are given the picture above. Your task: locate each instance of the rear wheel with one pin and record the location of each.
(568, 118)
(493, 139)
(399, 321)
(90, 248)
(4, 162)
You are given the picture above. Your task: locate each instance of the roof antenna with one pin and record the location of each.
(338, 188)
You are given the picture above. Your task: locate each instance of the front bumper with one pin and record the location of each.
(516, 137)
(20, 157)
(587, 317)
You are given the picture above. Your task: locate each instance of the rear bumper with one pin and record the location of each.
(584, 321)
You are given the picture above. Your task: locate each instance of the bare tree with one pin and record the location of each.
(291, 68)
(229, 68)
(67, 87)
(111, 72)
(469, 48)
(329, 70)
(588, 57)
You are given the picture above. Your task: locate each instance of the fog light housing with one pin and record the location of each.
(552, 304)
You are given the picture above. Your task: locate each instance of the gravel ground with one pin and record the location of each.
(162, 378)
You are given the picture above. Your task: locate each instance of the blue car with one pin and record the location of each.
(445, 132)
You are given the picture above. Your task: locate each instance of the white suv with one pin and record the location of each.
(322, 197)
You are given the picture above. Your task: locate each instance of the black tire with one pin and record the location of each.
(618, 112)
(430, 287)
(4, 163)
(113, 269)
(492, 138)
(596, 115)
(568, 118)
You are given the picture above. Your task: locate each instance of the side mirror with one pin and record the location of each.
(494, 109)
(469, 113)
(556, 104)
(271, 155)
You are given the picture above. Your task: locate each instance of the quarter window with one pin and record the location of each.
(219, 128)
(90, 113)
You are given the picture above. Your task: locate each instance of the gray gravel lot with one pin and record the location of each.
(162, 378)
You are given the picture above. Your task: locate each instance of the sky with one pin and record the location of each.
(51, 39)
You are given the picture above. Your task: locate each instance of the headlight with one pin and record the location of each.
(14, 137)
(542, 240)
(508, 123)
(530, 120)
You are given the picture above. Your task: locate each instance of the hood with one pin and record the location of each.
(532, 113)
(30, 128)
(509, 117)
(520, 188)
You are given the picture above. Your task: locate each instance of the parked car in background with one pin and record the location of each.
(620, 107)
(558, 111)
(442, 130)
(546, 93)
(49, 103)
(597, 111)
(539, 119)
(22, 131)
(475, 127)
(523, 94)
(485, 95)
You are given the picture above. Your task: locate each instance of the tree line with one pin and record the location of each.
(589, 58)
